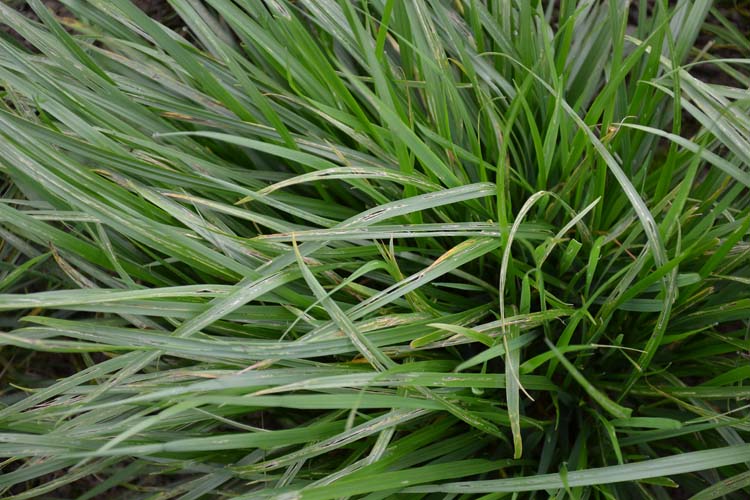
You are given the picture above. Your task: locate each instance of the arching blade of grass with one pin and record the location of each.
(658, 467)
(723, 488)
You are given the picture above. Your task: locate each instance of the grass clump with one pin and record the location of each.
(324, 249)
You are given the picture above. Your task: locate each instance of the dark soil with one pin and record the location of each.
(738, 13)
(156, 9)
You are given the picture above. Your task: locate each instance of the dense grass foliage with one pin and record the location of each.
(372, 249)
